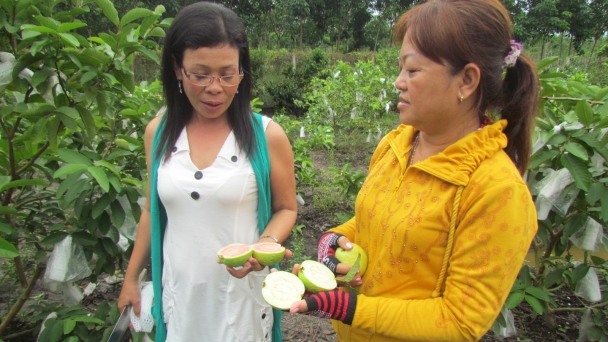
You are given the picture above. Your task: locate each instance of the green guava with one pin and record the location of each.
(235, 255)
(350, 256)
(316, 276)
(268, 253)
(281, 289)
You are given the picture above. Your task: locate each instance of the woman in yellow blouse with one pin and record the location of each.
(444, 214)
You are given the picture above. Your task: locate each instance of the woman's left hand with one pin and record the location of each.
(251, 265)
(335, 304)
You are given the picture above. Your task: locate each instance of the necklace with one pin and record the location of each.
(413, 150)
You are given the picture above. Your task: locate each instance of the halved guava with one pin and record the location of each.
(235, 255)
(268, 253)
(316, 276)
(281, 289)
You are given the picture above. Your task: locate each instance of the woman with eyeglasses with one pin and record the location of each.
(219, 174)
(444, 214)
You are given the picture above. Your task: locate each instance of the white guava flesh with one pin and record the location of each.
(234, 255)
(316, 276)
(281, 289)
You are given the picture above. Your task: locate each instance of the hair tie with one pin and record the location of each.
(511, 58)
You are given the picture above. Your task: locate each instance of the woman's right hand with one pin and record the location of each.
(130, 295)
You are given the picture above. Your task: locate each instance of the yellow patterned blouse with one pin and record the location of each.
(446, 239)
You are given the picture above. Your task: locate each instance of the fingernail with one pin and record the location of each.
(349, 245)
(295, 310)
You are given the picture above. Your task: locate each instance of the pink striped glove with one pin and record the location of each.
(328, 243)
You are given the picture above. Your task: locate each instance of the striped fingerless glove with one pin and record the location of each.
(335, 304)
(327, 246)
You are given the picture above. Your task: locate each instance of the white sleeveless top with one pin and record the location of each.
(208, 209)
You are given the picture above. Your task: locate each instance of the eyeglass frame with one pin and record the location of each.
(212, 78)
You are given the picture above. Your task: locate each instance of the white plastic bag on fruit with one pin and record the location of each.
(66, 265)
(502, 332)
(590, 237)
(551, 193)
(588, 288)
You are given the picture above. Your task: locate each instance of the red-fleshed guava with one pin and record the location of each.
(268, 253)
(235, 255)
(316, 276)
(349, 257)
(281, 289)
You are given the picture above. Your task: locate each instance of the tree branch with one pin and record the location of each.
(32, 200)
(20, 271)
(34, 158)
(596, 306)
(571, 98)
(25, 294)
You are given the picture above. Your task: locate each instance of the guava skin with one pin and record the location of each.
(268, 253)
(316, 276)
(349, 257)
(235, 260)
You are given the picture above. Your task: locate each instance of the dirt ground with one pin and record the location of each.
(530, 327)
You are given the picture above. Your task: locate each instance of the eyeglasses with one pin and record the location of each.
(204, 80)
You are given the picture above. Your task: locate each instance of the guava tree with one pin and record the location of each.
(71, 155)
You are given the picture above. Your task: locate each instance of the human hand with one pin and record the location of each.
(130, 295)
(251, 265)
(328, 243)
(335, 304)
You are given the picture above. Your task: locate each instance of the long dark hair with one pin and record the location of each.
(458, 32)
(205, 24)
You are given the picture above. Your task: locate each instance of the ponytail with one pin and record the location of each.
(520, 104)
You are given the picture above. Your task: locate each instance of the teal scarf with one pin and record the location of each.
(260, 162)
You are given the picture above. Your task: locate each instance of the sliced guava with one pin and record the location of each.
(235, 255)
(268, 253)
(316, 276)
(350, 256)
(281, 289)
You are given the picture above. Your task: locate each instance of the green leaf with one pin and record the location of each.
(100, 205)
(576, 223)
(69, 39)
(514, 299)
(93, 57)
(108, 166)
(87, 319)
(545, 62)
(100, 176)
(71, 338)
(108, 9)
(579, 272)
(4, 180)
(125, 78)
(88, 121)
(65, 27)
(595, 193)
(53, 331)
(149, 53)
(84, 239)
(156, 32)
(108, 39)
(599, 96)
(604, 206)
(7, 250)
(541, 157)
(54, 238)
(577, 150)
(538, 293)
(87, 76)
(118, 214)
(584, 112)
(7, 210)
(23, 182)
(69, 169)
(6, 228)
(553, 277)
(535, 304)
(110, 247)
(579, 171)
(135, 14)
(40, 76)
(73, 157)
(68, 326)
(69, 111)
(24, 62)
(597, 261)
(37, 112)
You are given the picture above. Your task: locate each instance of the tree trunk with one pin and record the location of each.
(301, 24)
(591, 53)
(561, 44)
(377, 34)
(569, 48)
(542, 50)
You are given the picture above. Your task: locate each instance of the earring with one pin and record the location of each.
(179, 84)
(237, 91)
(461, 98)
